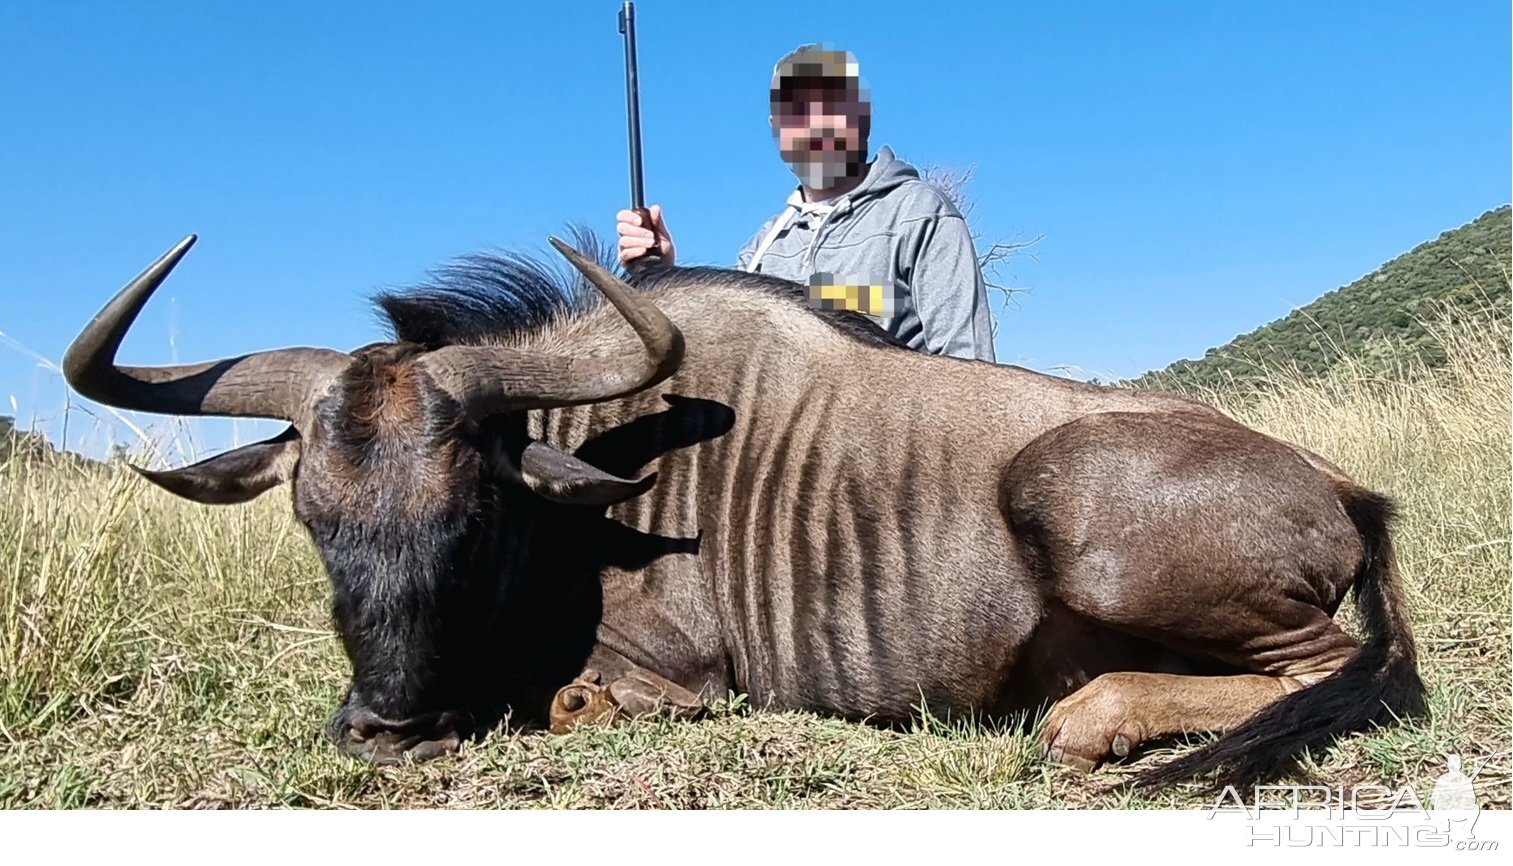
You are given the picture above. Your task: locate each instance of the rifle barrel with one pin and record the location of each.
(633, 104)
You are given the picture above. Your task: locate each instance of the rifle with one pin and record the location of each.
(653, 257)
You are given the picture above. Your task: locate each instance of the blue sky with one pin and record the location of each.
(1193, 169)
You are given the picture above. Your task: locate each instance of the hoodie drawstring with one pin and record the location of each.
(824, 210)
(772, 235)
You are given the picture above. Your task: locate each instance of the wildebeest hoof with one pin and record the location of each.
(582, 701)
(1091, 726)
(638, 693)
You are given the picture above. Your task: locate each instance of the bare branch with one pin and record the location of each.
(954, 184)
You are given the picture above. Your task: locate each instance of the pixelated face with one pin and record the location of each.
(821, 130)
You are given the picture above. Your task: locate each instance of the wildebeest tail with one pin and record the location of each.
(1378, 684)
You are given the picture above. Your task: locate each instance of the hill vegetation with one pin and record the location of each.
(1378, 320)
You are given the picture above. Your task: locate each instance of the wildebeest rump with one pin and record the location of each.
(829, 522)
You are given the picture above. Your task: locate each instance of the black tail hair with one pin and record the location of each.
(1378, 684)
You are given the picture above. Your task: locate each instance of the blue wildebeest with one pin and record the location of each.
(830, 522)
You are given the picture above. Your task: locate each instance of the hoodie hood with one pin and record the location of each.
(886, 173)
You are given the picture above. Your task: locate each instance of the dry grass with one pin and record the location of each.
(159, 653)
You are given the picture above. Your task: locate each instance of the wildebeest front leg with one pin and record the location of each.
(637, 692)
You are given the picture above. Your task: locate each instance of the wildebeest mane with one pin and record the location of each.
(489, 296)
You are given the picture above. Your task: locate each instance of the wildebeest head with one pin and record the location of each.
(403, 469)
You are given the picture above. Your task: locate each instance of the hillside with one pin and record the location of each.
(29, 445)
(1375, 319)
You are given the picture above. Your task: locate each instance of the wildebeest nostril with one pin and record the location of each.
(387, 747)
(364, 724)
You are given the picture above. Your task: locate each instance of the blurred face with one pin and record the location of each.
(821, 131)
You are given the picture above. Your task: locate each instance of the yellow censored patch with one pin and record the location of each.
(827, 293)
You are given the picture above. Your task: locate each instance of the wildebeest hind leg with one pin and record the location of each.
(1216, 543)
(1276, 645)
(1116, 712)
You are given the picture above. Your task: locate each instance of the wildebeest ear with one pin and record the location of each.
(236, 476)
(556, 475)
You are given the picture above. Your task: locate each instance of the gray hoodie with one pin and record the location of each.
(894, 231)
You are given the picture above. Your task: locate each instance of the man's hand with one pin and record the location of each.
(636, 240)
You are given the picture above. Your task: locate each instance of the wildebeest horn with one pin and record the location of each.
(494, 379)
(275, 384)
